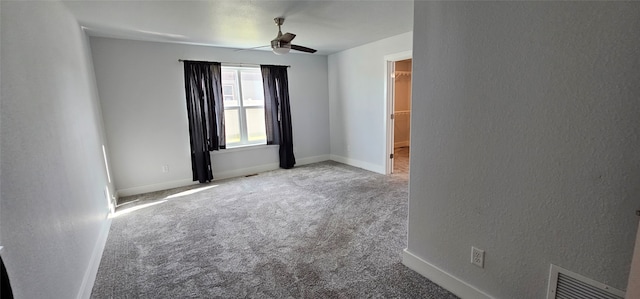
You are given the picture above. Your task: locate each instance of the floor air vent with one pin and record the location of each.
(564, 284)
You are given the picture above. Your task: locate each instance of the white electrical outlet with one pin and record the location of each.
(477, 257)
(165, 168)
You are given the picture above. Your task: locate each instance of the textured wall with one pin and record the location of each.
(357, 101)
(527, 144)
(141, 87)
(53, 174)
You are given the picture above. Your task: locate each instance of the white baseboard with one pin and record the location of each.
(311, 160)
(154, 187)
(265, 167)
(217, 176)
(359, 164)
(92, 270)
(442, 278)
(244, 171)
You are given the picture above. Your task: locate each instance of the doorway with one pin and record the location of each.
(398, 112)
(633, 286)
(401, 116)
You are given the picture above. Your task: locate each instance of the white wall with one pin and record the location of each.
(53, 175)
(357, 102)
(527, 141)
(141, 87)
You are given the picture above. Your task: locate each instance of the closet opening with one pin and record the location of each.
(401, 116)
(398, 112)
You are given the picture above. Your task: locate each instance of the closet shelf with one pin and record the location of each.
(403, 73)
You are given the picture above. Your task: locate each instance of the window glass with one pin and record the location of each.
(244, 106)
(255, 124)
(252, 92)
(229, 87)
(232, 126)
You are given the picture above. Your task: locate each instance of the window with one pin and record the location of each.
(243, 106)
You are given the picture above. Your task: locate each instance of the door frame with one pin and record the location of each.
(389, 89)
(633, 284)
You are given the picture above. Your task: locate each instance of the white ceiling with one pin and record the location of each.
(328, 26)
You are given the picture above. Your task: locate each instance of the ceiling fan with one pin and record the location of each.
(282, 43)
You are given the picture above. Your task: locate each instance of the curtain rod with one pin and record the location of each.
(231, 63)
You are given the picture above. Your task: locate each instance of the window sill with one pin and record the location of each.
(244, 148)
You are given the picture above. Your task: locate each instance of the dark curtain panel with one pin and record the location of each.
(203, 89)
(278, 112)
(5, 284)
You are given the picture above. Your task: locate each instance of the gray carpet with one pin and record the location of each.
(324, 230)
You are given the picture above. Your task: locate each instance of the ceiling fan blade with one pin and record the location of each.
(302, 49)
(287, 37)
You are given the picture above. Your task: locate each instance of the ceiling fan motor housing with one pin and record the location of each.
(279, 47)
(279, 44)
